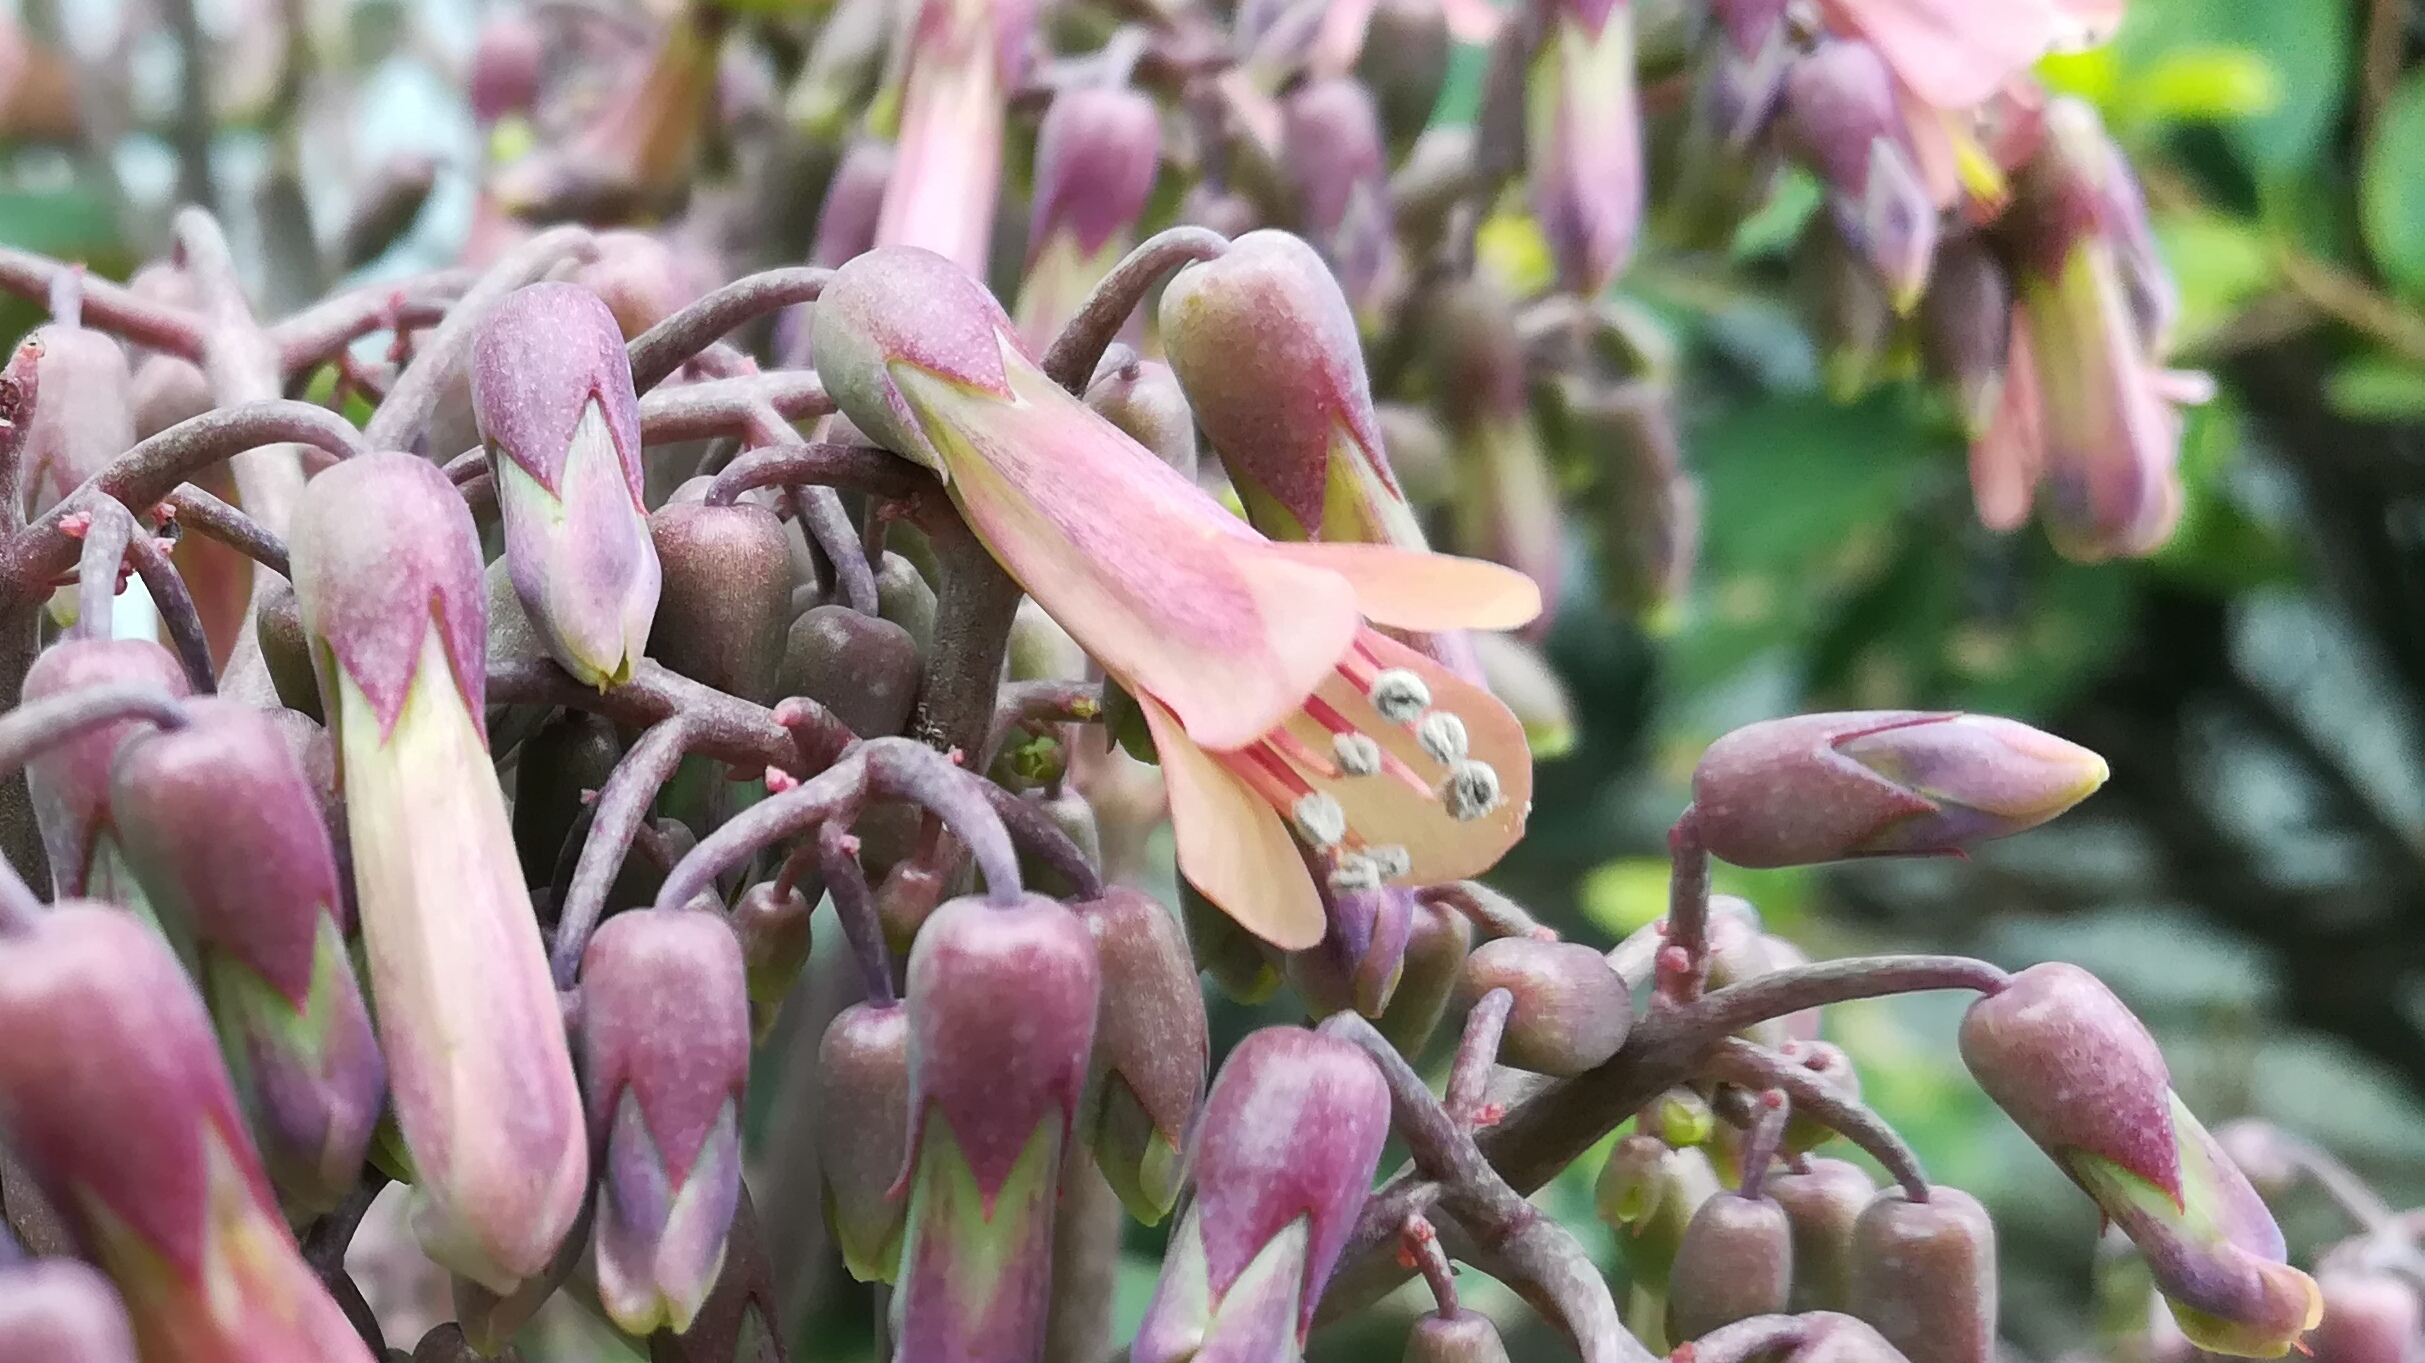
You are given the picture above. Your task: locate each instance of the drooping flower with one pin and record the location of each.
(1272, 699)
(1096, 154)
(1583, 140)
(1151, 1049)
(964, 59)
(69, 781)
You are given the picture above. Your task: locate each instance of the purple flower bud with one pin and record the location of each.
(1815, 788)
(1437, 941)
(1143, 399)
(1359, 960)
(1924, 1273)
(726, 599)
(1735, 1262)
(84, 414)
(61, 1311)
(863, 1134)
(1841, 101)
(1096, 154)
(70, 781)
(1572, 1011)
(1001, 1023)
(665, 1052)
(1338, 166)
(1583, 140)
(1151, 1049)
(1291, 1136)
(1265, 344)
(387, 567)
(553, 394)
(640, 278)
(863, 668)
(1822, 1203)
(167, 390)
(1466, 1337)
(774, 934)
(2368, 1318)
(2077, 1072)
(111, 1090)
(1966, 329)
(506, 61)
(224, 831)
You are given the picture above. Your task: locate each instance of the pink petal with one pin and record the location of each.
(1953, 53)
(1410, 589)
(2005, 463)
(1232, 846)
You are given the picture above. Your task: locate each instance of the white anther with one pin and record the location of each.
(1356, 754)
(1355, 872)
(1443, 737)
(1320, 820)
(1400, 696)
(1391, 860)
(1472, 791)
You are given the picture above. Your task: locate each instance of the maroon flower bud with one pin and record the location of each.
(111, 1090)
(905, 597)
(1437, 941)
(70, 781)
(1572, 1011)
(1284, 1159)
(225, 833)
(1924, 1273)
(863, 668)
(863, 1134)
(641, 280)
(61, 1311)
(167, 390)
(1466, 1337)
(1338, 165)
(1359, 960)
(2368, 1318)
(285, 651)
(1151, 1049)
(1143, 399)
(1814, 788)
(1001, 1007)
(1822, 1202)
(664, 1052)
(1736, 1261)
(1405, 63)
(773, 929)
(84, 414)
(726, 600)
(506, 61)
(1966, 329)
(1841, 101)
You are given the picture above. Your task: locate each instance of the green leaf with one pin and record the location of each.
(2391, 197)
(2205, 84)
(2306, 43)
(2372, 388)
(2218, 263)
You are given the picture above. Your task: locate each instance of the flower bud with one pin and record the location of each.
(1097, 150)
(224, 831)
(387, 567)
(726, 603)
(285, 652)
(2368, 1318)
(553, 394)
(1966, 329)
(112, 1092)
(863, 1134)
(1143, 399)
(1002, 1017)
(1507, 507)
(2081, 1076)
(1840, 102)
(905, 597)
(385, 206)
(636, 155)
(1681, 1117)
(1338, 166)
(1466, 1337)
(1649, 1195)
(61, 1311)
(506, 62)
(1437, 941)
(167, 390)
(1284, 1159)
(1814, 788)
(846, 222)
(1405, 63)
(1822, 1202)
(1583, 140)
(774, 933)
(84, 413)
(664, 1053)
(1359, 960)
(1265, 345)
(865, 669)
(1151, 1049)
(1924, 1273)
(70, 781)
(1242, 965)
(1572, 1012)
(641, 280)
(1735, 1262)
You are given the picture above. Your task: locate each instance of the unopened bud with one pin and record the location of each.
(83, 417)
(1736, 1261)
(1242, 965)
(1143, 399)
(1466, 1337)
(774, 933)
(1571, 1012)
(1362, 954)
(1405, 63)
(1841, 101)
(726, 601)
(1924, 1273)
(69, 781)
(1151, 1049)
(863, 1133)
(1583, 140)
(846, 223)
(2368, 1318)
(863, 668)
(1822, 1202)
(1339, 165)
(1097, 150)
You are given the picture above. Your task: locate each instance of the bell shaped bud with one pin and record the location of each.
(1152, 1049)
(112, 1092)
(224, 831)
(2083, 1078)
(1649, 1194)
(553, 394)
(386, 205)
(1815, 788)
(61, 1311)
(70, 781)
(84, 413)
(1405, 64)
(1507, 508)
(1265, 345)
(1840, 102)
(1284, 1159)
(1361, 957)
(1338, 165)
(1583, 140)
(964, 59)
(1571, 1013)
(773, 929)
(387, 567)
(1735, 1262)
(2368, 1318)
(1924, 1273)
(1097, 150)
(664, 1053)
(1966, 329)
(726, 600)
(863, 1134)
(1822, 1202)
(507, 59)
(1143, 399)
(1466, 1337)
(863, 668)
(1243, 966)
(1002, 1002)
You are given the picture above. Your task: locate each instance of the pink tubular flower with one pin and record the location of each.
(1096, 154)
(964, 57)
(1583, 138)
(1272, 698)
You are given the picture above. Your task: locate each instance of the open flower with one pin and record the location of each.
(1273, 700)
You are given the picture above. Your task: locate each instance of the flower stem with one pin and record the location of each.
(855, 907)
(1033, 831)
(899, 769)
(1421, 1243)
(1754, 1066)
(854, 468)
(657, 352)
(401, 420)
(1688, 906)
(1477, 1051)
(615, 817)
(178, 614)
(197, 510)
(107, 529)
(1071, 360)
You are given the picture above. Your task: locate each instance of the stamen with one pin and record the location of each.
(1301, 755)
(1399, 695)
(1443, 738)
(1471, 792)
(1391, 860)
(1320, 820)
(1357, 754)
(1320, 712)
(1355, 872)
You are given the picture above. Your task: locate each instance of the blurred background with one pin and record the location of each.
(2253, 878)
